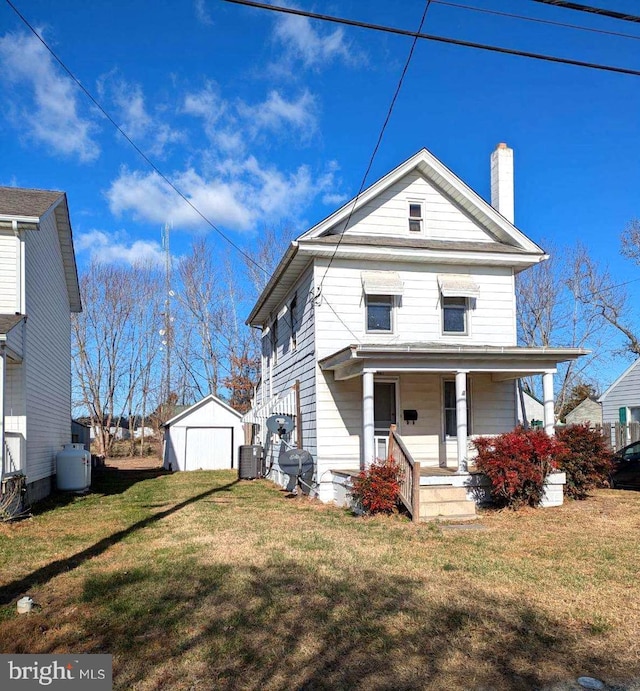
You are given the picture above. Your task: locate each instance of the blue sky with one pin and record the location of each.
(265, 120)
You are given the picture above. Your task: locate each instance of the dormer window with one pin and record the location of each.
(415, 217)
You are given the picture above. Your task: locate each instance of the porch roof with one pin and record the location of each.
(7, 322)
(503, 362)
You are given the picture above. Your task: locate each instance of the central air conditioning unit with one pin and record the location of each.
(250, 465)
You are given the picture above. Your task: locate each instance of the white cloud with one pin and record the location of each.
(315, 49)
(143, 128)
(114, 249)
(50, 113)
(238, 196)
(202, 13)
(276, 113)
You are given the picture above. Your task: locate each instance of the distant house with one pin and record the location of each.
(204, 436)
(38, 292)
(588, 412)
(621, 401)
(533, 408)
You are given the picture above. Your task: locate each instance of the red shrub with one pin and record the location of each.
(587, 461)
(377, 488)
(517, 464)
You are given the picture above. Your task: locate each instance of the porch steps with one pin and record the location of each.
(447, 503)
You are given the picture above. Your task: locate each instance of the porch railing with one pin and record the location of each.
(409, 473)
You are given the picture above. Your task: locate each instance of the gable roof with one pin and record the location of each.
(629, 369)
(505, 243)
(29, 206)
(199, 404)
(450, 185)
(8, 321)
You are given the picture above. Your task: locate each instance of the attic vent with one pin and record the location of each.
(458, 286)
(381, 283)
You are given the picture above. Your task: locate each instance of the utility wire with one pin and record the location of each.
(601, 11)
(141, 153)
(375, 148)
(537, 20)
(439, 39)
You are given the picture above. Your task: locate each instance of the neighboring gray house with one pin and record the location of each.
(399, 308)
(588, 411)
(621, 401)
(204, 436)
(38, 292)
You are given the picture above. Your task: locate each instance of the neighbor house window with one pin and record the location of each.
(415, 217)
(380, 313)
(450, 413)
(454, 315)
(293, 313)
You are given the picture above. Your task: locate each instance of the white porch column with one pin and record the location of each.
(547, 398)
(368, 442)
(461, 419)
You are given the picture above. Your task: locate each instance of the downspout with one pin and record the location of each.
(525, 422)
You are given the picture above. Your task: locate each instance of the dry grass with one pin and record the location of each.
(196, 581)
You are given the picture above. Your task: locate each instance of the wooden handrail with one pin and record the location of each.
(409, 473)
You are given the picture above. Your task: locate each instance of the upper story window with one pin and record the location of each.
(380, 313)
(458, 293)
(454, 315)
(415, 217)
(293, 314)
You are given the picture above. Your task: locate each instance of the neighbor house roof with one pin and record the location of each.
(8, 321)
(631, 367)
(28, 206)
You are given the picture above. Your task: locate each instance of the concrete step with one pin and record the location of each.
(446, 508)
(442, 493)
(446, 502)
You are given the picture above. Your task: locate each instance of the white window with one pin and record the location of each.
(274, 341)
(415, 217)
(293, 314)
(380, 313)
(450, 412)
(454, 315)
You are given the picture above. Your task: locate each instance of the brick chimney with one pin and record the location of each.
(502, 181)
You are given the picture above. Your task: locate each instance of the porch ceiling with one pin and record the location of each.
(502, 362)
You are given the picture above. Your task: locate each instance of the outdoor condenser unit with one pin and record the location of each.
(250, 465)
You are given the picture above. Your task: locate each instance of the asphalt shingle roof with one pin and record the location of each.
(8, 321)
(16, 201)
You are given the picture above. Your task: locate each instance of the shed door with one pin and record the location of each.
(209, 448)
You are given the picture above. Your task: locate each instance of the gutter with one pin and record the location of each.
(286, 260)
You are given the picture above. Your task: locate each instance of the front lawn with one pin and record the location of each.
(197, 581)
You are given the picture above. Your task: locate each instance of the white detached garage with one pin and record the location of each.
(205, 436)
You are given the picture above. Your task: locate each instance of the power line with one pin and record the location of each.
(601, 11)
(131, 142)
(537, 20)
(376, 147)
(440, 39)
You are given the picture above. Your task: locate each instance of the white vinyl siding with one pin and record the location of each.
(442, 219)
(297, 364)
(47, 350)
(8, 273)
(418, 316)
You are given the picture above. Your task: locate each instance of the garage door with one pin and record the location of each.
(209, 448)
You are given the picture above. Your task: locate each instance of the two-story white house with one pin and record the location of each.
(38, 292)
(400, 309)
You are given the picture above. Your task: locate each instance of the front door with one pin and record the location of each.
(384, 414)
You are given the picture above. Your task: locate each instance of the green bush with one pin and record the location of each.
(587, 461)
(377, 488)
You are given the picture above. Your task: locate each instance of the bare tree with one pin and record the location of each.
(115, 345)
